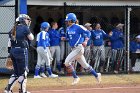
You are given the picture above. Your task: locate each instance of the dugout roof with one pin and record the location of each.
(85, 2)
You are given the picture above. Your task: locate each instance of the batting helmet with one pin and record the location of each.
(71, 16)
(45, 25)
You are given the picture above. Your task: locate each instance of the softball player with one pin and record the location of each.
(43, 50)
(18, 49)
(117, 42)
(62, 43)
(55, 39)
(87, 48)
(77, 43)
(98, 36)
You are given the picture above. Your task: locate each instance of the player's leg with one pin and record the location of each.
(11, 84)
(13, 78)
(79, 50)
(45, 56)
(58, 62)
(42, 69)
(53, 50)
(38, 65)
(89, 68)
(22, 64)
(102, 62)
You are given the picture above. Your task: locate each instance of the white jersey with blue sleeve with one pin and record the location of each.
(43, 39)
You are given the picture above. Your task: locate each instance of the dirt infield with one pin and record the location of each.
(87, 84)
(129, 89)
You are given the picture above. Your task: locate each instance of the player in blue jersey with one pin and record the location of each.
(43, 43)
(77, 43)
(55, 39)
(98, 35)
(117, 43)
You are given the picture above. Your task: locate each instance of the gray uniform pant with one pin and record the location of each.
(95, 48)
(62, 49)
(77, 54)
(55, 51)
(43, 55)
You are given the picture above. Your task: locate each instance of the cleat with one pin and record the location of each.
(37, 76)
(5, 91)
(116, 72)
(99, 78)
(75, 81)
(60, 72)
(43, 75)
(27, 92)
(53, 76)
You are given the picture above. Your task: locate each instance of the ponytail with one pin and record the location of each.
(14, 31)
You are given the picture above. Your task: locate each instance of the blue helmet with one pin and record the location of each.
(71, 16)
(45, 25)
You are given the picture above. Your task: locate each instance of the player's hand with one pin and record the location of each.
(45, 50)
(110, 33)
(63, 38)
(84, 44)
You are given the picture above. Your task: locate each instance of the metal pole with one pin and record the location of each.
(128, 39)
(16, 8)
(127, 26)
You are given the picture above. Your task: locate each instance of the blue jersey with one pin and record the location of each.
(75, 34)
(98, 37)
(117, 40)
(62, 32)
(89, 41)
(134, 46)
(43, 39)
(54, 37)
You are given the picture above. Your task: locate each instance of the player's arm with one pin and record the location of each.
(28, 33)
(87, 34)
(43, 39)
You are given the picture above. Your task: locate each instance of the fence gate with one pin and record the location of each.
(7, 17)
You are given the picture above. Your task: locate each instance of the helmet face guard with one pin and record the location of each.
(21, 19)
(71, 17)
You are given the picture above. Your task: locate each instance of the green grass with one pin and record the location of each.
(66, 81)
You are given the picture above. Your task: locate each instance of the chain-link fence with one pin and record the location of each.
(107, 16)
(116, 61)
(7, 17)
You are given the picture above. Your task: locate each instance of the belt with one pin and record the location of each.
(76, 46)
(16, 47)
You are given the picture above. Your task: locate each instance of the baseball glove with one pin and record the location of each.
(9, 63)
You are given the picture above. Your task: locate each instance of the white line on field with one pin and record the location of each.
(80, 89)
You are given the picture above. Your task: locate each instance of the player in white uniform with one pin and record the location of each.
(43, 51)
(77, 43)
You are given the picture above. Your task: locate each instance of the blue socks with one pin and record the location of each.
(93, 72)
(73, 71)
(49, 71)
(36, 72)
(59, 67)
(74, 74)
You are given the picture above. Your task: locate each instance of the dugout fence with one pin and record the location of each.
(107, 16)
(7, 17)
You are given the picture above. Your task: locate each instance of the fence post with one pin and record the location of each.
(127, 27)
